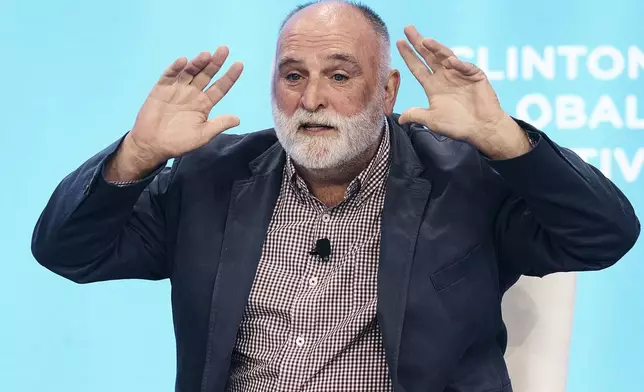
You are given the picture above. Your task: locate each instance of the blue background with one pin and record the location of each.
(74, 74)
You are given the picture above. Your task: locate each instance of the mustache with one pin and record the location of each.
(302, 117)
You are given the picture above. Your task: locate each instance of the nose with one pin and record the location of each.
(314, 96)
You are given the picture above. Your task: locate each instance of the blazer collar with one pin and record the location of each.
(270, 160)
(404, 160)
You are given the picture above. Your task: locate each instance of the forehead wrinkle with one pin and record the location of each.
(324, 45)
(302, 40)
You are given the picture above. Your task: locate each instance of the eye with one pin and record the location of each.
(340, 77)
(293, 77)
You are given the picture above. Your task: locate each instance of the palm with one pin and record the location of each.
(174, 118)
(177, 114)
(459, 95)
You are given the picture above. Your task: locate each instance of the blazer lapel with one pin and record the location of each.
(405, 203)
(251, 206)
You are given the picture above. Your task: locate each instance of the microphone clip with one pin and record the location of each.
(322, 249)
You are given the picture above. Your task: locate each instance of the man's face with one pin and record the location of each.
(328, 93)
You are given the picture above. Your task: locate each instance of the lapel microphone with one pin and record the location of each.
(322, 248)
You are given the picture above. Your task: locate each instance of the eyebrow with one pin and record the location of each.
(343, 57)
(288, 61)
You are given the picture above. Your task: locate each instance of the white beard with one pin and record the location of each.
(352, 137)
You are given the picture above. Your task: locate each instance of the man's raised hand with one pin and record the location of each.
(174, 118)
(461, 101)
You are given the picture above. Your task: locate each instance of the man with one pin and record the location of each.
(349, 248)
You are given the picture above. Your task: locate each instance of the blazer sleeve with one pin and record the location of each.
(558, 213)
(91, 230)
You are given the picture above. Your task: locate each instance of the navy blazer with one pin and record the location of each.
(458, 230)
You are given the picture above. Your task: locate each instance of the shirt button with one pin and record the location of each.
(300, 341)
(313, 281)
(326, 218)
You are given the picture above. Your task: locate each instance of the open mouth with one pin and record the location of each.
(315, 127)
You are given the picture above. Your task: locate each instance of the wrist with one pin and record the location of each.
(130, 163)
(505, 140)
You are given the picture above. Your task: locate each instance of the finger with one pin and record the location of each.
(416, 40)
(440, 51)
(415, 65)
(193, 68)
(169, 76)
(222, 85)
(204, 77)
(416, 115)
(463, 67)
(219, 124)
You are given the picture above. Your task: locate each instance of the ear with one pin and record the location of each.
(391, 90)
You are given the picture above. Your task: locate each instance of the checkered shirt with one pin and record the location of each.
(310, 325)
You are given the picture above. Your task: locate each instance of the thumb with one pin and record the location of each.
(417, 115)
(219, 124)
